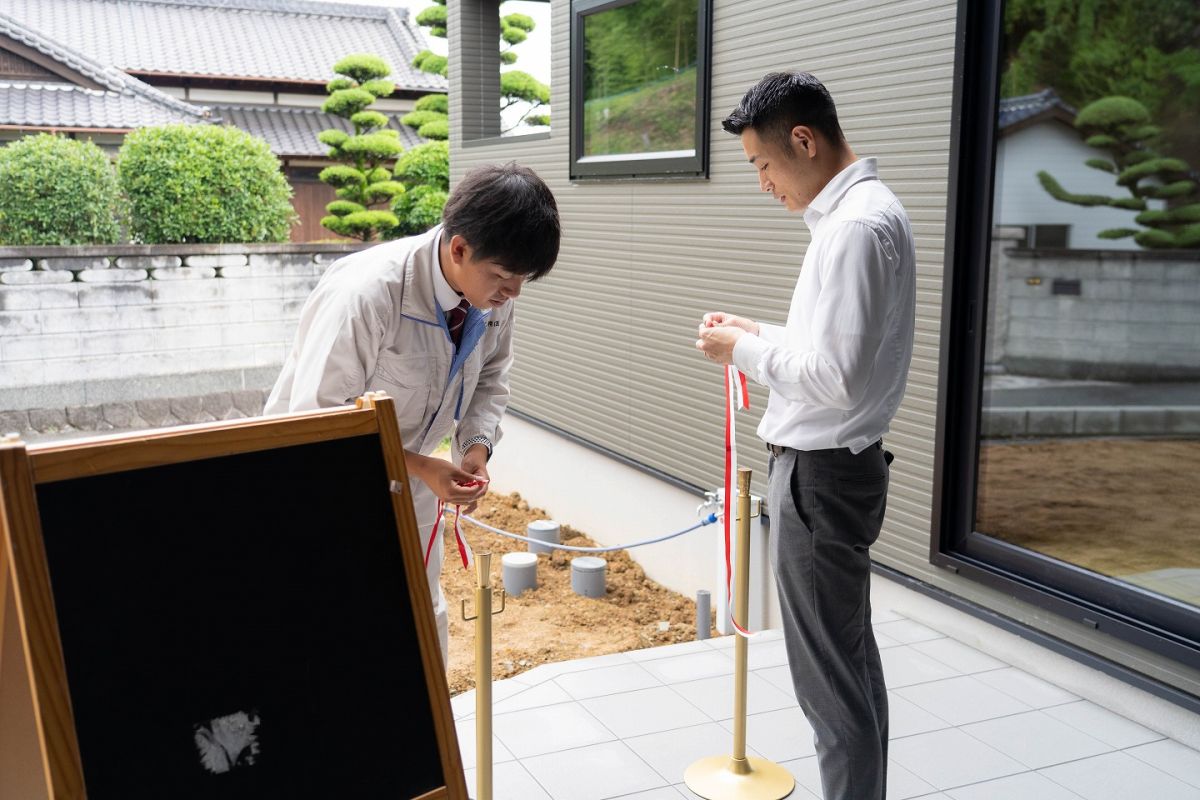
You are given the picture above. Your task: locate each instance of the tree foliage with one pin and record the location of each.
(425, 164)
(419, 209)
(203, 183)
(1091, 49)
(1121, 127)
(58, 191)
(516, 88)
(425, 172)
(635, 45)
(361, 180)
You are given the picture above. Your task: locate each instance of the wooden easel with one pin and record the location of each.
(41, 755)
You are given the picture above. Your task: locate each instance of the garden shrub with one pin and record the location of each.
(203, 183)
(58, 191)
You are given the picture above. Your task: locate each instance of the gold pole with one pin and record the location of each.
(741, 613)
(740, 777)
(483, 677)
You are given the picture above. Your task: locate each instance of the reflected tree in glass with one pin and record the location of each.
(639, 78)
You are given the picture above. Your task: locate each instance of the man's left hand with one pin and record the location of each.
(474, 461)
(717, 343)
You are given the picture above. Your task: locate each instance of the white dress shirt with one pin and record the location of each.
(838, 368)
(447, 298)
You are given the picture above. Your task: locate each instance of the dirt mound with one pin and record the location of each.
(552, 623)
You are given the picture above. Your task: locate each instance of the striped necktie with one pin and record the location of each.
(456, 319)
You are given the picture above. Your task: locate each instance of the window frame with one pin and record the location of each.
(1096, 602)
(633, 165)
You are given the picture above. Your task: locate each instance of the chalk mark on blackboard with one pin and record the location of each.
(228, 742)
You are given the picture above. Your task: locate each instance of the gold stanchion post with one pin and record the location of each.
(739, 777)
(483, 672)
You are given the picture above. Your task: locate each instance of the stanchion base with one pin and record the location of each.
(723, 778)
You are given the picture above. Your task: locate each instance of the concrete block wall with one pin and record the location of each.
(100, 338)
(1136, 317)
(1054, 422)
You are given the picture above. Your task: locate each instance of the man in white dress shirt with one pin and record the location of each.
(837, 371)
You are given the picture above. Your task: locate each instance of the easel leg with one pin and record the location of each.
(21, 777)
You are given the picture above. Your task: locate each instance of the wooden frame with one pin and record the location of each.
(23, 468)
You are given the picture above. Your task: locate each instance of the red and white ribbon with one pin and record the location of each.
(736, 396)
(464, 549)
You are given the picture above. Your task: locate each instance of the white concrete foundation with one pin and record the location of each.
(616, 504)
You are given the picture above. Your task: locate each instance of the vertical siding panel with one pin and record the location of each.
(605, 342)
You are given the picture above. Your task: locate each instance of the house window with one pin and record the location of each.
(639, 81)
(1049, 236)
(1069, 463)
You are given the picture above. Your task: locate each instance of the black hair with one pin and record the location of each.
(780, 102)
(508, 215)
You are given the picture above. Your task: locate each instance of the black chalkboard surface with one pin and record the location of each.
(242, 626)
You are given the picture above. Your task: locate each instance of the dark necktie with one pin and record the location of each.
(456, 319)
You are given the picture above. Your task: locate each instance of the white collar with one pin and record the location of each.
(864, 169)
(446, 297)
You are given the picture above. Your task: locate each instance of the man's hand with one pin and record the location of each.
(452, 485)
(717, 343)
(475, 462)
(719, 319)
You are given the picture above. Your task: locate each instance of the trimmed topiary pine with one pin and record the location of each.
(362, 180)
(58, 191)
(1121, 126)
(203, 183)
(515, 87)
(425, 164)
(419, 209)
(425, 172)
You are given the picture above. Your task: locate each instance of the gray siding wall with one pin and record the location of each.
(605, 343)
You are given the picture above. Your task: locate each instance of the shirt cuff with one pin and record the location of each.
(748, 354)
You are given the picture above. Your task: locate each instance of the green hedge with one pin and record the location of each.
(203, 183)
(58, 191)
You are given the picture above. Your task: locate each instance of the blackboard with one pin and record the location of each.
(243, 626)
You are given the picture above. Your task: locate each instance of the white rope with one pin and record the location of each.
(710, 519)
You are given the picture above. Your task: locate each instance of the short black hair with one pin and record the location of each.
(780, 102)
(508, 215)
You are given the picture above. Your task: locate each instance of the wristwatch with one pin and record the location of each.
(474, 440)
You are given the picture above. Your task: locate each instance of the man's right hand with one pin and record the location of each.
(447, 481)
(719, 319)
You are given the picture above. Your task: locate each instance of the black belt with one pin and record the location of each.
(778, 450)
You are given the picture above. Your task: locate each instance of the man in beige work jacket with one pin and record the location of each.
(428, 320)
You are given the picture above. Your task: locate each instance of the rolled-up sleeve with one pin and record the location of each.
(846, 327)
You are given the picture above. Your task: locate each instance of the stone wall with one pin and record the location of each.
(95, 338)
(1095, 314)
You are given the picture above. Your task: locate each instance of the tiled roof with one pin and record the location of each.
(293, 131)
(122, 102)
(1015, 110)
(65, 105)
(257, 39)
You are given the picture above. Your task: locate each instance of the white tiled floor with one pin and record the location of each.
(965, 725)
